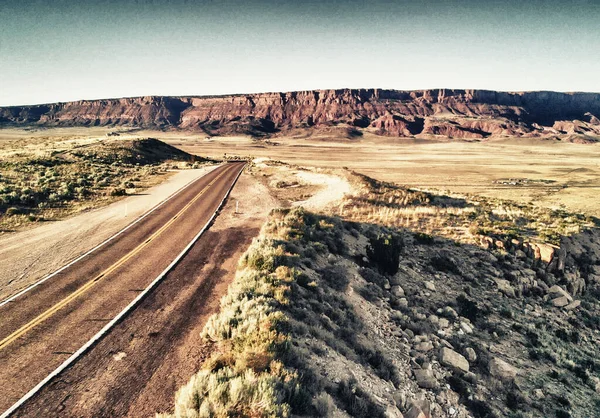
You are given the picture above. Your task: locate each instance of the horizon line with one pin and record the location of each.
(200, 96)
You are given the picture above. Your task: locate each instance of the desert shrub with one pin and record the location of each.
(384, 252)
(263, 255)
(372, 276)
(335, 276)
(118, 191)
(13, 211)
(469, 309)
(371, 292)
(444, 263)
(356, 402)
(423, 238)
(324, 404)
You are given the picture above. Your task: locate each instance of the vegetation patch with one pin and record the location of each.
(36, 187)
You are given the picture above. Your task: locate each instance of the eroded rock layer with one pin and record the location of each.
(471, 114)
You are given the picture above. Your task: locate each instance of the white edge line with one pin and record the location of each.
(68, 362)
(106, 241)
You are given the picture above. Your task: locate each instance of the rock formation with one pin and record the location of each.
(473, 114)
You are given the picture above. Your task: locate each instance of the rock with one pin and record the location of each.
(386, 285)
(425, 378)
(452, 359)
(415, 412)
(403, 303)
(505, 288)
(596, 381)
(545, 252)
(397, 291)
(471, 355)
(471, 378)
(399, 398)
(556, 292)
(449, 312)
(429, 285)
(538, 394)
(560, 302)
(424, 346)
(573, 305)
(502, 370)
(444, 323)
(466, 328)
(434, 319)
(392, 412)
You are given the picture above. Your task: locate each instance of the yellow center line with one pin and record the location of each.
(45, 315)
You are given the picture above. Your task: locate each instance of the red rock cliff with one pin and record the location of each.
(451, 113)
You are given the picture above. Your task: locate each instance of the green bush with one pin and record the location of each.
(384, 252)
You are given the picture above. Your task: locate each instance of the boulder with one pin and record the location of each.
(573, 305)
(556, 292)
(424, 346)
(398, 291)
(502, 370)
(505, 288)
(415, 412)
(560, 302)
(425, 378)
(429, 285)
(453, 360)
(471, 355)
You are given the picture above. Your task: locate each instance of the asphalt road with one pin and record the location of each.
(42, 328)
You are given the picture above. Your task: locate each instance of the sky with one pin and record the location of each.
(61, 50)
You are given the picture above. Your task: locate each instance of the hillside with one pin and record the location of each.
(468, 114)
(54, 179)
(353, 311)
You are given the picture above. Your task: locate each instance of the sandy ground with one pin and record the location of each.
(333, 189)
(29, 255)
(561, 174)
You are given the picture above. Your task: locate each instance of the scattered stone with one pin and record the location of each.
(399, 398)
(386, 285)
(501, 369)
(466, 328)
(415, 412)
(403, 303)
(392, 412)
(471, 355)
(560, 302)
(573, 305)
(452, 359)
(429, 285)
(538, 394)
(556, 292)
(397, 291)
(596, 381)
(449, 312)
(505, 288)
(424, 346)
(434, 319)
(425, 378)
(471, 378)
(444, 323)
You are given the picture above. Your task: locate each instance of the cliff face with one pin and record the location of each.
(450, 113)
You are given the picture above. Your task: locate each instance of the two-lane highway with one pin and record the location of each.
(43, 327)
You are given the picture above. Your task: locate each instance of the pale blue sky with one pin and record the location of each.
(58, 50)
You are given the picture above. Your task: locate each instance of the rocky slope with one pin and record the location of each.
(471, 114)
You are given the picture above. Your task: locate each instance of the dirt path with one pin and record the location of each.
(334, 189)
(29, 255)
(136, 369)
